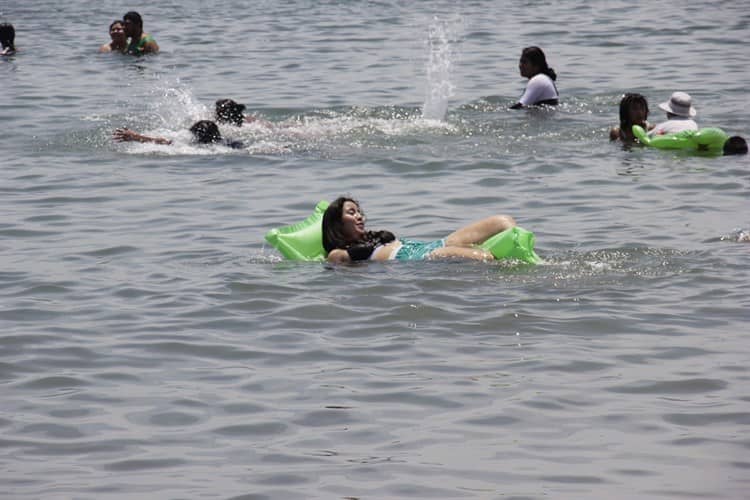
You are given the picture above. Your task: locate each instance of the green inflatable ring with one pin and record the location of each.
(304, 240)
(708, 140)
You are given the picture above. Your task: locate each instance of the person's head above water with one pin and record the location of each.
(117, 31)
(735, 145)
(533, 61)
(133, 23)
(343, 224)
(633, 111)
(206, 132)
(679, 104)
(229, 111)
(7, 36)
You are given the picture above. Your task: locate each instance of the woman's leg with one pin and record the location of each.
(473, 253)
(476, 232)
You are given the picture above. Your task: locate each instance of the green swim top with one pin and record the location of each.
(136, 48)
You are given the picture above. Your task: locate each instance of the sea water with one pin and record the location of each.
(153, 346)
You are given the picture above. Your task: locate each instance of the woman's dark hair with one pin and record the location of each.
(229, 111)
(536, 56)
(333, 235)
(627, 101)
(7, 35)
(133, 17)
(735, 145)
(206, 132)
(116, 21)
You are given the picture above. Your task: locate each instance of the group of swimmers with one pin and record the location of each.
(540, 91)
(226, 111)
(128, 37)
(680, 117)
(345, 238)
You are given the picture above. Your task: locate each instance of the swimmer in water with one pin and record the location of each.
(680, 113)
(233, 113)
(633, 111)
(346, 240)
(541, 88)
(735, 145)
(140, 43)
(204, 132)
(119, 41)
(7, 39)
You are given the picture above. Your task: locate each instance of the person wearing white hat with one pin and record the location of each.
(680, 113)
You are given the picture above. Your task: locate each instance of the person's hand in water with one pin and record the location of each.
(126, 135)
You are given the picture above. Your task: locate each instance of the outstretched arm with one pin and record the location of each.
(127, 135)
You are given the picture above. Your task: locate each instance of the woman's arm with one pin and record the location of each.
(127, 135)
(151, 47)
(339, 256)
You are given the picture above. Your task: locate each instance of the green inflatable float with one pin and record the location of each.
(304, 240)
(706, 140)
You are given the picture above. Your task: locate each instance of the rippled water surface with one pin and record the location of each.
(152, 346)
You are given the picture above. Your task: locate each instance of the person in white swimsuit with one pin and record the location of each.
(541, 88)
(680, 113)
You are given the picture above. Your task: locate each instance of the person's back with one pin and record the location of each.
(680, 113)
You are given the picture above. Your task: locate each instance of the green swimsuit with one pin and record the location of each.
(417, 250)
(136, 49)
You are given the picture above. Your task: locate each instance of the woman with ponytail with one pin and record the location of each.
(541, 87)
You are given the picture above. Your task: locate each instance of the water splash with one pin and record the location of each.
(441, 36)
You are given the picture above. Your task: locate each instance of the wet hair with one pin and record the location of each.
(133, 17)
(7, 35)
(229, 111)
(735, 145)
(333, 234)
(116, 21)
(206, 132)
(536, 56)
(627, 101)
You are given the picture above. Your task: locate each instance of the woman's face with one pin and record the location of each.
(117, 32)
(129, 27)
(352, 221)
(527, 68)
(638, 114)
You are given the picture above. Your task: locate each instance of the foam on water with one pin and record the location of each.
(171, 107)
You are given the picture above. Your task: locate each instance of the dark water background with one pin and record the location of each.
(151, 345)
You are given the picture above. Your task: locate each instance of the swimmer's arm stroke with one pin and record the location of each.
(127, 135)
